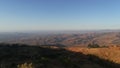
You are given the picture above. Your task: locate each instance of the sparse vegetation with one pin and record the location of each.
(23, 56)
(93, 46)
(25, 65)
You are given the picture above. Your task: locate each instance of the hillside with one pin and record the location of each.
(110, 53)
(12, 56)
(70, 39)
(23, 56)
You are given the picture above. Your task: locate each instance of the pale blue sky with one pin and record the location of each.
(22, 15)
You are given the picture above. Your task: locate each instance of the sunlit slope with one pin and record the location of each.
(111, 53)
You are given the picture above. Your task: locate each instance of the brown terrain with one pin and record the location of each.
(62, 51)
(78, 39)
(25, 56)
(111, 53)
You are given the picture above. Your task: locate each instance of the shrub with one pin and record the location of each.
(93, 46)
(25, 65)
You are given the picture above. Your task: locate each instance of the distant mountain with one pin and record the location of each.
(102, 38)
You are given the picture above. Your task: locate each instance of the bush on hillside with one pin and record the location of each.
(93, 46)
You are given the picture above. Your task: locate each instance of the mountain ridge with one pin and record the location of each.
(71, 39)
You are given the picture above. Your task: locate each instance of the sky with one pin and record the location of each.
(35, 15)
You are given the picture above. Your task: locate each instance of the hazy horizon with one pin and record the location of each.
(59, 15)
(62, 30)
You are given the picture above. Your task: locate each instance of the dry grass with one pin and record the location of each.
(111, 53)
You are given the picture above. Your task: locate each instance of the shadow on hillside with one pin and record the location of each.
(12, 55)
